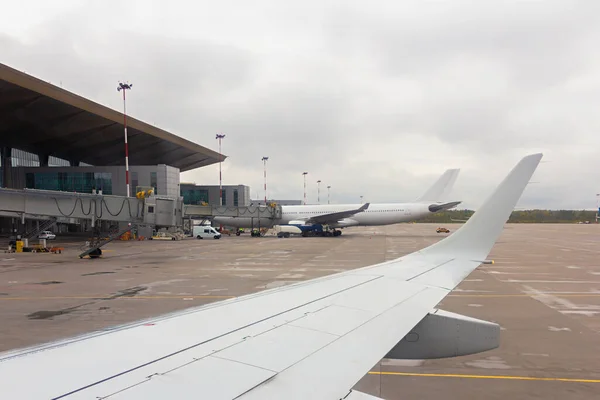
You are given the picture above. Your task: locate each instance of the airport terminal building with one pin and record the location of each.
(52, 139)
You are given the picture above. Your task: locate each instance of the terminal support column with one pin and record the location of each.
(6, 160)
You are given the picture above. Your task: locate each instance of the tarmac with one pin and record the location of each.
(543, 290)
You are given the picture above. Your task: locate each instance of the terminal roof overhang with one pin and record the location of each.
(44, 119)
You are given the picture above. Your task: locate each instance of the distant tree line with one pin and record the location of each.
(520, 216)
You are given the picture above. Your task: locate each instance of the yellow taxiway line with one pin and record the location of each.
(504, 377)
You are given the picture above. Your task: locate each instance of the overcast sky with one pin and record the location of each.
(375, 98)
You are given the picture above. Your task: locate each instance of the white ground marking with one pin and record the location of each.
(489, 363)
(519, 273)
(248, 269)
(152, 285)
(555, 329)
(564, 306)
(289, 276)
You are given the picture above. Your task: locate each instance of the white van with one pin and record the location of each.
(205, 232)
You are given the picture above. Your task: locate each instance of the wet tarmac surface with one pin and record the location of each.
(543, 289)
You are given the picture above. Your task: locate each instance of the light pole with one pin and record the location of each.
(219, 137)
(597, 207)
(328, 193)
(124, 87)
(361, 197)
(264, 160)
(319, 191)
(305, 173)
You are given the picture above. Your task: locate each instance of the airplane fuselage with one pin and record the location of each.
(376, 214)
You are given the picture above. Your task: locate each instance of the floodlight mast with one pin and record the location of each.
(305, 173)
(124, 87)
(219, 137)
(264, 160)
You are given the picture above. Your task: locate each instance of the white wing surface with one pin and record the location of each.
(311, 340)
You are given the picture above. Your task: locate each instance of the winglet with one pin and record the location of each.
(441, 188)
(477, 236)
(364, 207)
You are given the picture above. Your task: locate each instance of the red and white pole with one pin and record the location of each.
(319, 191)
(126, 145)
(219, 137)
(265, 171)
(304, 173)
(124, 87)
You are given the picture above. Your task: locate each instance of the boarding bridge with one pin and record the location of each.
(31, 203)
(153, 210)
(199, 212)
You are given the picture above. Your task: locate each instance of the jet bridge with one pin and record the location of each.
(153, 210)
(194, 211)
(29, 203)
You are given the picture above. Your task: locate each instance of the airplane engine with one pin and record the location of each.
(300, 222)
(443, 334)
(344, 223)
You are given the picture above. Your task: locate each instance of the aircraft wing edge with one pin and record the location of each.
(336, 216)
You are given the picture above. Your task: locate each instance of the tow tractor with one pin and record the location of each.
(308, 230)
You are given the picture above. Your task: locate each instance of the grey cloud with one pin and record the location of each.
(375, 101)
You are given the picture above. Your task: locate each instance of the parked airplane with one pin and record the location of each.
(310, 340)
(334, 216)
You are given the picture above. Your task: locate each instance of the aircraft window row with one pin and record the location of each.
(328, 212)
(384, 210)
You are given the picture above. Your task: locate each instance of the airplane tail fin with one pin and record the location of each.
(441, 188)
(475, 239)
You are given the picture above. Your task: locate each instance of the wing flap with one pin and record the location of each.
(338, 366)
(279, 348)
(228, 380)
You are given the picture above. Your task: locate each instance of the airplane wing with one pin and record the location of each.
(310, 340)
(336, 216)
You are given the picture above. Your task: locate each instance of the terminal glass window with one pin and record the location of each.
(57, 162)
(235, 197)
(82, 182)
(194, 196)
(153, 181)
(134, 181)
(20, 158)
(224, 197)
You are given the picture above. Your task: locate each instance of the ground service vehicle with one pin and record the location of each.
(47, 235)
(206, 232)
